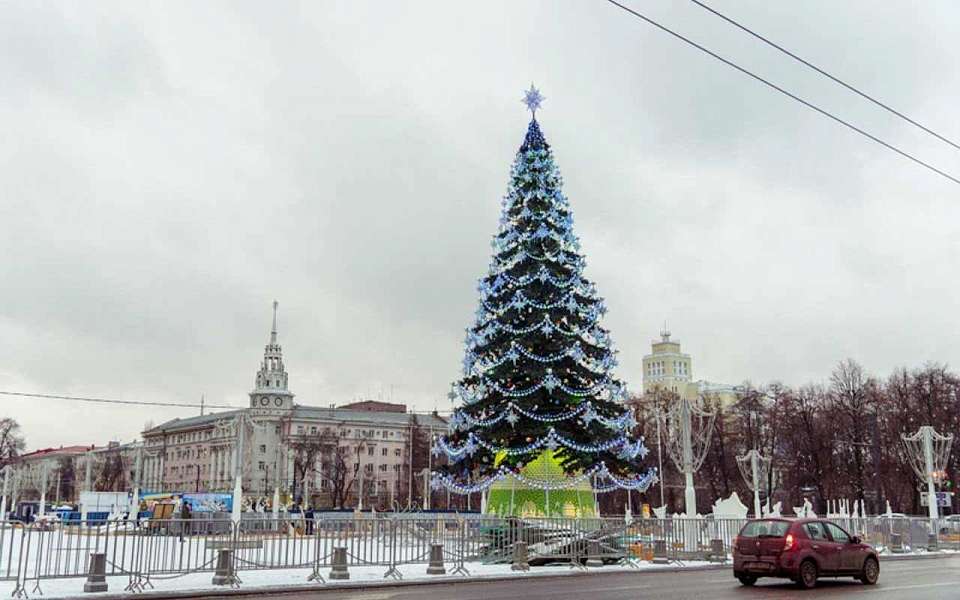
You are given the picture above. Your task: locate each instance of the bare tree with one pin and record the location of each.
(112, 476)
(11, 440)
(851, 394)
(67, 478)
(307, 452)
(340, 463)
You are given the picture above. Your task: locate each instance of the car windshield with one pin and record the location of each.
(762, 529)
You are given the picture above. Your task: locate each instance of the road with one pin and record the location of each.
(937, 579)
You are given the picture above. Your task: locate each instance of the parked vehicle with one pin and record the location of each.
(802, 550)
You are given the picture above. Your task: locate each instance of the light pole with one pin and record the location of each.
(754, 466)
(3, 498)
(928, 452)
(659, 455)
(688, 453)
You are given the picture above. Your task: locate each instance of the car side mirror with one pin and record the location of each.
(855, 539)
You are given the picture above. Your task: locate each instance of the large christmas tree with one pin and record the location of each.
(538, 385)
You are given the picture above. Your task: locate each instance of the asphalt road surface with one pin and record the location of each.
(937, 579)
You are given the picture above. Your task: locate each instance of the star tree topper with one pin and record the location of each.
(533, 99)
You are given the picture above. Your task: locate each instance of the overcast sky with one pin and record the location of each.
(169, 169)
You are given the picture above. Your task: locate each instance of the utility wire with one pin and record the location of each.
(824, 73)
(785, 92)
(109, 401)
(171, 404)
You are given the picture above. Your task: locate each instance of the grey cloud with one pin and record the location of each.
(168, 170)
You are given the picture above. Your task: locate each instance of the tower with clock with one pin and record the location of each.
(270, 395)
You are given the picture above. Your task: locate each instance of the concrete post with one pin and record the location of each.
(338, 569)
(660, 552)
(717, 551)
(436, 560)
(224, 573)
(593, 554)
(96, 574)
(520, 557)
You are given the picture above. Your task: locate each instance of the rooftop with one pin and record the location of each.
(368, 415)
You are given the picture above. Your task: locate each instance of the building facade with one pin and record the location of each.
(669, 369)
(62, 473)
(321, 456)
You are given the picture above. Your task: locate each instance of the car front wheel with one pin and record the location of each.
(870, 572)
(747, 580)
(808, 574)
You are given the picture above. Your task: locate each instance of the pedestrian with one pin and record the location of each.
(184, 518)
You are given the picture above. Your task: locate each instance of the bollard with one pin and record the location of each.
(520, 557)
(224, 573)
(593, 554)
(97, 574)
(933, 543)
(717, 551)
(338, 570)
(660, 552)
(436, 560)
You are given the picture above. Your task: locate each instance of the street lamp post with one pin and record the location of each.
(928, 452)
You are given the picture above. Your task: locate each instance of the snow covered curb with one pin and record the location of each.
(291, 580)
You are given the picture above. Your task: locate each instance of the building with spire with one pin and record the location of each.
(317, 455)
(669, 369)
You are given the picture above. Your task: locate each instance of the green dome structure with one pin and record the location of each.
(512, 498)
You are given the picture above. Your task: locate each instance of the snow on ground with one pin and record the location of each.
(58, 588)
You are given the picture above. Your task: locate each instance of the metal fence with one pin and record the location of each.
(149, 551)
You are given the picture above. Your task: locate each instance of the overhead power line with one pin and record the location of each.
(786, 93)
(166, 404)
(111, 401)
(833, 78)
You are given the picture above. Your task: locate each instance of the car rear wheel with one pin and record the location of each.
(808, 574)
(870, 572)
(747, 580)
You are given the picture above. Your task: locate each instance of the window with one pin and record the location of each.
(383, 467)
(396, 452)
(313, 431)
(815, 531)
(263, 448)
(771, 528)
(370, 451)
(839, 536)
(383, 452)
(299, 429)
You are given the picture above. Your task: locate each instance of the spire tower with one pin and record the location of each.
(270, 393)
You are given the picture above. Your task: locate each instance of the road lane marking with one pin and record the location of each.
(914, 586)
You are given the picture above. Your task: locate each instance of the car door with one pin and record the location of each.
(826, 552)
(849, 555)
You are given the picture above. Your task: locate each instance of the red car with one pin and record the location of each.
(802, 550)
